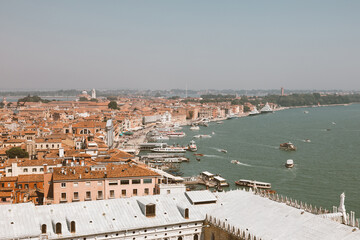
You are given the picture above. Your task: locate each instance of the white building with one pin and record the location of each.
(93, 93)
(183, 216)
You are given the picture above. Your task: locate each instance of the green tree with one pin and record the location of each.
(83, 99)
(17, 152)
(246, 108)
(112, 105)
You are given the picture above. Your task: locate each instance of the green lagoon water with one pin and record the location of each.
(324, 168)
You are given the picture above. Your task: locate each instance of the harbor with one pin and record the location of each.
(253, 152)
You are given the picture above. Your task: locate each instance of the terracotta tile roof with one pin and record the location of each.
(31, 178)
(8, 179)
(112, 171)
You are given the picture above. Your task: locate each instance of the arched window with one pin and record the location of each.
(196, 237)
(186, 213)
(180, 238)
(43, 228)
(58, 228)
(41, 169)
(72, 227)
(25, 170)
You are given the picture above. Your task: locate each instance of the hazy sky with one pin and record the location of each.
(165, 44)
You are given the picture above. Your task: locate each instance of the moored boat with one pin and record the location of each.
(254, 112)
(176, 134)
(194, 128)
(253, 184)
(169, 150)
(266, 109)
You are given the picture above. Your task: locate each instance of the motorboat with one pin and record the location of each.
(306, 112)
(289, 163)
(192, 146)
(223, 150)
(194, 128)
(219, 122)
(253, 184)
(235, 161)
(307, 140)
(287, 146)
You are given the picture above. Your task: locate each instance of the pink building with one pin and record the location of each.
(71, 184)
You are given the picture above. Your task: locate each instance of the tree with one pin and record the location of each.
(83, 99)
(112, 105)
(246, 108)
(17, 152)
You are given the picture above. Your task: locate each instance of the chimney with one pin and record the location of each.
(45, 167)
(61, 152)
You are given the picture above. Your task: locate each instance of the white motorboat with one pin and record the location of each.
(192, 146)
(194, 128)
(289, 163)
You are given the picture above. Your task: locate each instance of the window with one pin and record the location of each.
(124, 182)
(212, 236)
(20, 186)
(47, 145)
(43, 228)
(186, 213)
(34, 170)
(99, 183)
(136, 181)
(52, 145)
(72, 227)
(180, 238)
(3, 184)
(147, 180)
(26, 186)
(76, 195)
(87, 183)
(88, 195)
(123, 193)
(113, 183)
(168, 191)
(58, 228)
(9, 184)
(150, 210)
(35, 185)
(9, 170)
(41, 169)
(25, 170)
(146, 191)
(112, 193)
(63, 185)
(100, 195)
(76, 184)
(135, 192)
(196, 237)
(63, 196)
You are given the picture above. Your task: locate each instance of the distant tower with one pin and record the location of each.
(282, 91)
(4, 102)
(93, 93)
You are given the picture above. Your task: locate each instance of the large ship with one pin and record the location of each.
(169, 150)
(253, 184)
(254, 112)
(266, 109)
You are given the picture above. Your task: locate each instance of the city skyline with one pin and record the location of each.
(166, 45)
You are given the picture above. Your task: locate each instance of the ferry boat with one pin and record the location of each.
(220, 182)
(289, 163)
(194, 128)
(176, 134)
(266, 109)
(202, 136)
(254, 112)
(287, 146)
(169, 150)
(192, 146)
(253, 184)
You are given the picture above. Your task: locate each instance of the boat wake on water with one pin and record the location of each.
(214, 156)
(240, 163)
